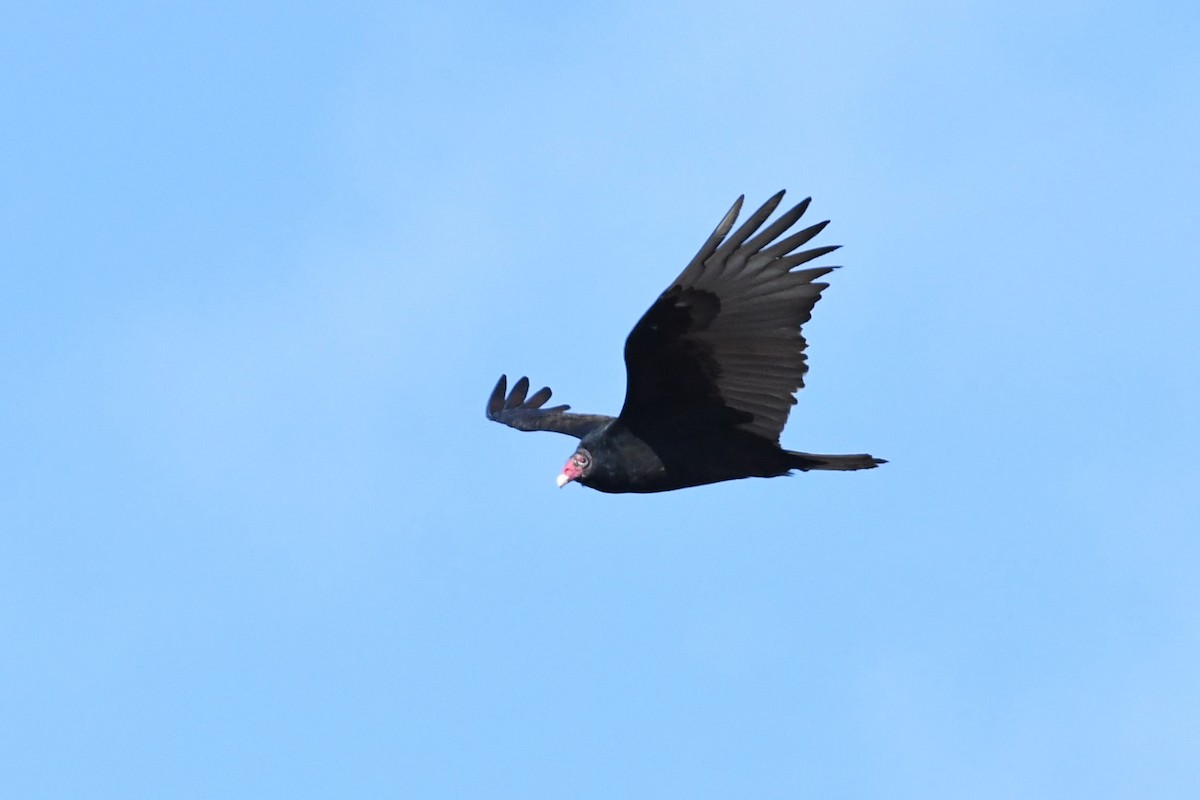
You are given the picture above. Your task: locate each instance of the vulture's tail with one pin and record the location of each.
(807, 461)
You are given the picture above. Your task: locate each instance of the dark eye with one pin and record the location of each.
(582, 459)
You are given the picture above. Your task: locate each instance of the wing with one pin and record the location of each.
(723, 343)
(527, 414)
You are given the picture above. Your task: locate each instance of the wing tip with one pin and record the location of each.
(519, 390)
(732, 214)
(495, 402)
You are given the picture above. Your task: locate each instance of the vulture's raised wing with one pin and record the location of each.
(527, 414)
(723, 343)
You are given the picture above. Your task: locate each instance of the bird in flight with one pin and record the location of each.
(712, 370)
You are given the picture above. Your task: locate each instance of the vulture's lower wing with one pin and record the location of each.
(723, 343)
(527, 414)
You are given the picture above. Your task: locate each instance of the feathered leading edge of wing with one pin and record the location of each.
(723, 343)
(526, 413)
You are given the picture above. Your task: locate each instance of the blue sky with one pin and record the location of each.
(263, 264)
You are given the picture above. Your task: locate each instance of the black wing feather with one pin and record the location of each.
(527, 414)
(722, 344)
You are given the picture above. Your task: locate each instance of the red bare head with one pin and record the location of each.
(578, 465)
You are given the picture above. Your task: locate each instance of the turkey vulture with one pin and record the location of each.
(711, 369)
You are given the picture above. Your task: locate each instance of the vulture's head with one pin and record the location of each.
(578, 466)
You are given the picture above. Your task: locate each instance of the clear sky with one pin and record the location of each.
(262, 264)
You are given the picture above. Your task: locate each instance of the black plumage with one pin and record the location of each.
(712, 370)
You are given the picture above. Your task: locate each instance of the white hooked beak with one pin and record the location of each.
(562, 480)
